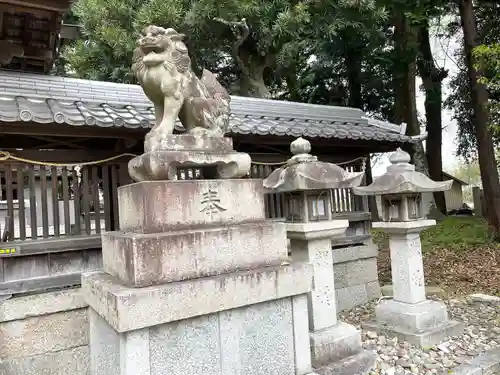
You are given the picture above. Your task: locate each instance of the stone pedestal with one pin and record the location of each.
(336, 346)
(195, 284)
(162, 158)
(409, 315)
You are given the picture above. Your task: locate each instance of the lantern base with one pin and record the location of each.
(338, 350)
(422, 324)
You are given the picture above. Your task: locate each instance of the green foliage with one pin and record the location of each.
(290, 32)
(111, 28)
(488, 62)
(286, 31)
(454, 233)
(458, 234)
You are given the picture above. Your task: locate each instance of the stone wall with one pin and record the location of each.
(356, 277)
(44, 334)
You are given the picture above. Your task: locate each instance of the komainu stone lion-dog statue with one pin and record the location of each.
(162, 66)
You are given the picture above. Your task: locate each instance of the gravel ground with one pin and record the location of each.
(396, 358)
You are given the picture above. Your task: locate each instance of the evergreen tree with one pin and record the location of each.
(243, 41)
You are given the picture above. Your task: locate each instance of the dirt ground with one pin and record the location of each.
(459, 256)
(475, 271)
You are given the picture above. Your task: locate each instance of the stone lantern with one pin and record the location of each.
(409, 315)
(307, 183)
(400, 190)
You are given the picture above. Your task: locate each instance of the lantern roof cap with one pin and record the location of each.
(303, 171)
(402, 178)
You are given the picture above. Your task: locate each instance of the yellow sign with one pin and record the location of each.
(8, 251)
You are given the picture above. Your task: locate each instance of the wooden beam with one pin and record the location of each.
(14, 9)
(1, 23)
(319, 145)
(59, 142)
(64, 130)
(357, 146)
(38, 54)
(59, 6)
(30, 52)
(26, 29)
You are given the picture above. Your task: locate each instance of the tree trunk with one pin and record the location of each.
(479, 97)
(432, 78)
(372, 202)
(252, 83)
(292, 84)
(252, 73)
(250, 63)
(405, 104)
(353, 59)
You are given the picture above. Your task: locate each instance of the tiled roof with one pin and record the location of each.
(50, 99)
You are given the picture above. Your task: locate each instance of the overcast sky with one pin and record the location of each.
(443, 54)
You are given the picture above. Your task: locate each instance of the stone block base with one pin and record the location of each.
(411, 317)
(251, 340)
(427, 338)
(358, 364)
(351, 296)
(73, 361)
(356, 275)
(334, 343)
(129, 309)
(422, 324)
(44, 334)
(140, 260)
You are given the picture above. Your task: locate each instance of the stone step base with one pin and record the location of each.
(128, 309)
(140, 260)
(424, 339)
(334, 343)
(358, 364)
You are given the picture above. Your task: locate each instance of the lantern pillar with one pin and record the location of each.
(407, 265)
(312, 243)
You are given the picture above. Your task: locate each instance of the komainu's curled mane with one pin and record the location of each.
(162, 66)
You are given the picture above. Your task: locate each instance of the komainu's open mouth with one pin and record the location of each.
(147, 48)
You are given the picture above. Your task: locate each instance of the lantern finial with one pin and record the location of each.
(300, 146)
(400, 157)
